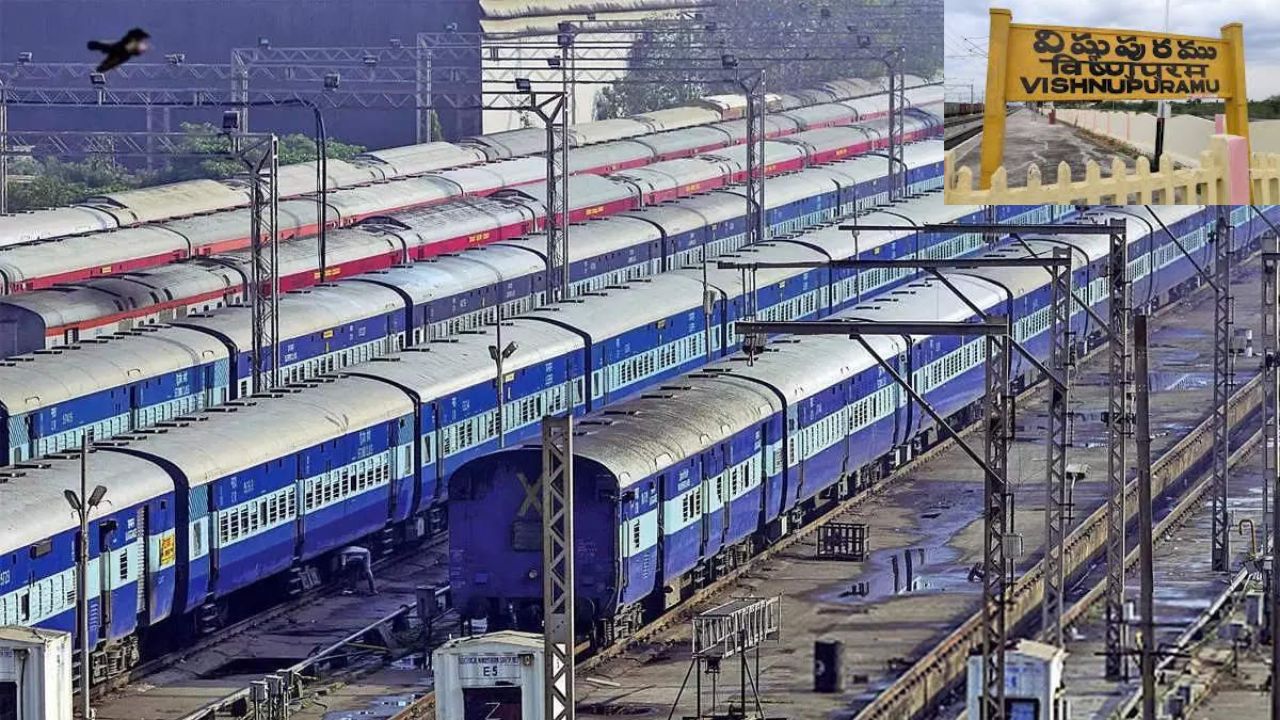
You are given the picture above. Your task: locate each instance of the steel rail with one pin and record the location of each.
(933, 675)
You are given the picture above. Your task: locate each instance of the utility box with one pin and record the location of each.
(498, 675)
(1032, 683)
(35, 674)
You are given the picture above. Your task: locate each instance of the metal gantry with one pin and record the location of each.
(897, 124)
(753, 87)
(1219, 279)
(1221, 239)
(264, 290)
(1056, 450)
(1271, 439)
(1146, 521)
(557, 568)
(998, 570)
(995, 526)
(4, 151)
(995, 506)
(1118, 417)
(552, 109)
(259, 152)
(1062, 298)
(423, 106)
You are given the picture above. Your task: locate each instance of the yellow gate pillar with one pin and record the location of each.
(1237, 105)
(993, 111)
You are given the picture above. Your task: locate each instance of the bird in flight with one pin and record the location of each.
(134, 43)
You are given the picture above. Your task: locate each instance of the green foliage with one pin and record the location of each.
(56, 183)
(205, 139)
(803, 43)
(1268, 109)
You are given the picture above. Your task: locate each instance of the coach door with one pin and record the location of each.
(796, 456)
(143, 544)
(106, 567)
(659, 566)
(711, 519)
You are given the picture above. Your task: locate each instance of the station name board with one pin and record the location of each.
(1064, 64)
(1046, 63)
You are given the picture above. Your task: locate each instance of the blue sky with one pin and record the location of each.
(966, 31)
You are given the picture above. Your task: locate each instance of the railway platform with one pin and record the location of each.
(1031, 140)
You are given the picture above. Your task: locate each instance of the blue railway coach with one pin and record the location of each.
(132, 550)
(132, 384)
(261, 487)
(678, 485)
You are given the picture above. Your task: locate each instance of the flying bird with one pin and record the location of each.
(133, 44)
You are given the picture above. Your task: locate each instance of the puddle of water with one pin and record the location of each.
(408, 662)
(937, 572)
(383, 707)
(251, 666)
(1174, 380)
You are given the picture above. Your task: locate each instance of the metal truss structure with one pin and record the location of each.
(1146, 520)
(1222, 380)
(553, 110)
(1118, 431)
(733, 629)
(260, 154)
(1271, 443)
(1271, 437)
(897, 125)
(752, 85)
(998, 569)
(557, 568)
(995, 514)
(1055, 525)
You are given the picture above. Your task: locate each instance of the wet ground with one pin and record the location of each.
(934, 511)
(210, 674)
(1186, 586)
(1031, 140)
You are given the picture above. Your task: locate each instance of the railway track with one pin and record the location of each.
(256, 621)
(957, 129)
(961, 128)
(933, 676)
(929, 679)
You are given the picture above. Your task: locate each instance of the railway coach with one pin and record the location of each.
(276, 482)
(109, 304)
(446, 171)
(681, 484)
(147, 376)
(516, 209)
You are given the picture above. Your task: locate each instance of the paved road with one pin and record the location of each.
(1030, 139)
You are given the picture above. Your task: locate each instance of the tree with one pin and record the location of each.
(804, 43)
(204, 139)
(55, 183)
